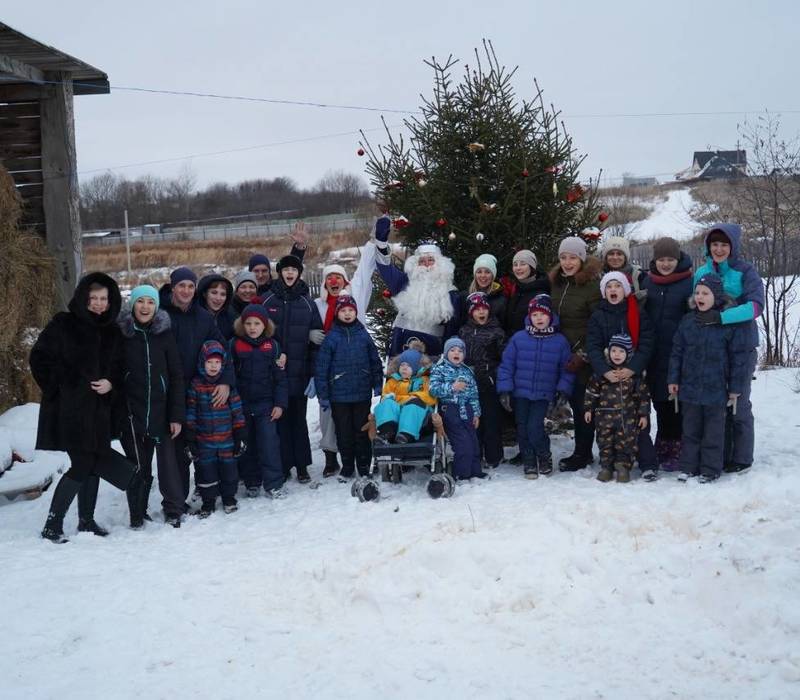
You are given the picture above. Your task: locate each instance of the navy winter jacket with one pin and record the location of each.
(262, 384)
(667, 303)
(534, 365)
(294, 315)
(709, 362)
(740, 280)
(348, 366)
(225, 317)
(191, 329)
(610, 319)
(485, 345)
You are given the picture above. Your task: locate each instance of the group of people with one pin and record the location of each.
(219, 373)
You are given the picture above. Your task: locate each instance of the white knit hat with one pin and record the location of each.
(528, 257)
(615, 276)
(487, 261)
(333, 269)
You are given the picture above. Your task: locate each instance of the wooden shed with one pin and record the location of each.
(37, 140)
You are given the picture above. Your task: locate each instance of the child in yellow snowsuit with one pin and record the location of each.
(406, 400)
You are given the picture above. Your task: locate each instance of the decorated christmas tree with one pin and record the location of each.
(483, 170)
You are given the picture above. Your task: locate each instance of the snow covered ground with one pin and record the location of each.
(670, 217)
(557, 588)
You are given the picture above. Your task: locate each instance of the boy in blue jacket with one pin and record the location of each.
(348, 375)
(708, 370)
(264, 390)
(454, 384)
(214, 434)
(533, 370)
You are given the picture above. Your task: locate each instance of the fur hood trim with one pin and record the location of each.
(591, 270)
(238, 328)
(160, 323)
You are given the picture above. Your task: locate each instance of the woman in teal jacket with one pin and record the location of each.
(742, 282)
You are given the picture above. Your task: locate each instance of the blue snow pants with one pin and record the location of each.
(261, 463)
(464, 441)
(409, 416)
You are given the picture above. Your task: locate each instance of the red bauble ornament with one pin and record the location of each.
(360, 151)
(575, 193)
(441, 222)
(525, 172)
(386, 294)
(400, 222)
(602, 217)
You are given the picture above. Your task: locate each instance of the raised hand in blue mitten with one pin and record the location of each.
(383, 227)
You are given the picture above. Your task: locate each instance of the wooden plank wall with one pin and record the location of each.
(21, 155)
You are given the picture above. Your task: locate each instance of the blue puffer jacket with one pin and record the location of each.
(443, 375)
(191, 329)
(534, 365)
(294, 315)
(667, 303)
(740, 281)
(610, 319)
(709, 362)
(262, 384)
(348, 366)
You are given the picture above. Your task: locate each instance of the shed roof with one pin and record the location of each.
(733, 157)
(25, 60)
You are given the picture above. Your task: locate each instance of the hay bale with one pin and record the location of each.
(27, 288)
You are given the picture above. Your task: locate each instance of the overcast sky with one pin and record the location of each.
(591, 58)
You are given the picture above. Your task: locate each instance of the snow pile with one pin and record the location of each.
(670, 217)
(558, 588)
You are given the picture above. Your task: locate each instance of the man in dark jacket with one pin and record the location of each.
(192, 326)
(76, 362)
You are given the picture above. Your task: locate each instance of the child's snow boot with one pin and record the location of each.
(605, 474)
(623, 474)
(545, 464)
(206, 509)
(331, 464)
(252, 491)
(229, 505)
(531, 467)
(302, 475)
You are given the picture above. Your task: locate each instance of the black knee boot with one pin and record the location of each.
(87, 500)
(64, 494)
(137, 492)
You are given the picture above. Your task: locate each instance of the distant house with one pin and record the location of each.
(634, 181)
(715, 165)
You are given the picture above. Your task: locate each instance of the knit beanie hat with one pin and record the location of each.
(182, 274)
(454, 342)
(543, 303)
(526, 256)
(290, 261)
(573, 245)
(144, 290)
(714, 283)
(258, 259)
(621, 340)
(477, 300)
(616, 243)
(412, 358)
(255, 311)
(666, 248)
(242, 277)
(615, 276)
(487, 261)
(343, 301)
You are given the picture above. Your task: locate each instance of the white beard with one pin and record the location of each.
(424, 305)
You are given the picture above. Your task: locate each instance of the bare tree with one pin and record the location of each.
(342, 191)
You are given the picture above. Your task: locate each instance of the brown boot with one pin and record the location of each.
(605, 474)
(623, 475)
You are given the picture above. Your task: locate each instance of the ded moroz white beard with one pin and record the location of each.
(425, 302)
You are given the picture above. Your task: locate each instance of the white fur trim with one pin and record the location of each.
(428, 249)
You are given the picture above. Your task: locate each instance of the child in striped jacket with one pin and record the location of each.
(214, 435)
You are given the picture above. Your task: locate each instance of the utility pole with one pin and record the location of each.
(127, 242)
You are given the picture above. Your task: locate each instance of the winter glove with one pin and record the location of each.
(239, 448)
(316, 336)
(575, 363)
(311, 389)
(325, 404)
(191, 451)
(505, 401)
(712, 317)
(383, 226)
